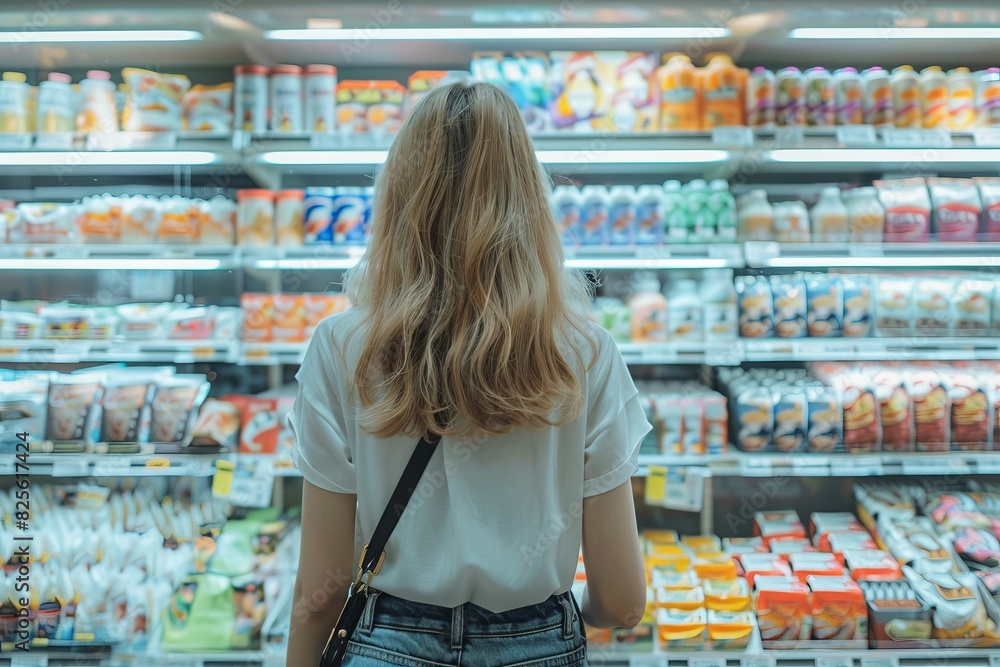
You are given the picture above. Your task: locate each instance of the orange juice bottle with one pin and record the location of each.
(680, 97)
(934, 97)
(961, 99)
(723, 84)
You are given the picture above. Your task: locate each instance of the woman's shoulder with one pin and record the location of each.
(592, 343)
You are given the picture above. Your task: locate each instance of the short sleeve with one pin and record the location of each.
(616, 423)
(322, 451)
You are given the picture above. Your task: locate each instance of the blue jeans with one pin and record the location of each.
(393, 631)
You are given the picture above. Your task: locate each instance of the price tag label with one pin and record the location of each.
(986, 137)
(865, 250)
(760, 253)
(834, 661)
(925, 466)
(757, 661)
(995, 661)
(808, 466)
(14, 141)
(733, 135)
(856, 135)
(252, 490)
(879, 661)
(76, 467)
(656, 484)
(794, 135)
(257, 353)
(724, 356)
(55, 141)
(905, 138)
(751, 466)
(29, 660)
(9, 351)
(988, 464)
(868, 466)
(113, 467)
(706, 662)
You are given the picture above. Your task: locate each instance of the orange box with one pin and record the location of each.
(287, 318)
(680, 629)
(871, 565)
(715, 565)
(260, 424)
(763, 565)
(839, 541)
(821, 524)
(726, 595)
(782, 525)
(815, 564)
(838, 608)
(256, 317)
(783, 611)
(318, 307)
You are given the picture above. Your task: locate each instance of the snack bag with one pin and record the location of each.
(932, 299)
(895, 410)
(931, 410)
(971, 417)
(99, 219)
(218, 423)
(789, 298)
(857, 306)
(125, 406)
(861, 429)
(179, 220)
(971, 302)
(175, 407)
(989, 191)
(825, 418)
(257, 317)
(790, 419)
(209, 108)
(154, 100)
(42, 223)
(824, 305)
(894, 306)
(287, 317)
(141, 218)
(756, 307)
(957, 209)
(754, 419)
(23, 404)
(907, 210)
(71, 409)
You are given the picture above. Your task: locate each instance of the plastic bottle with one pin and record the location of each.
(934, 98)
(829, 218)
(14, 102)
(566, 201)
(906, 97)
(680, 97)
(701, 220)
(250, 98)
(988, 98)
(756, 217)
(649, 310)
(877, 98)
(686, 311)
(675, 213)
(721, 315)
(622, 215)
(285, 85)
(594, 214)
(865, 215)
(649, 215)
(820, 103)
(723, 205)
(790, 95)
(760, 98)
(97, 104)
(847, 97)
(791, 222)
(55, 104)
(961, 99)
(722, 83)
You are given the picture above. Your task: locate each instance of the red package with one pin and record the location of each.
(989, 191)
(259, 424)
(907, 210)
(895, 410)
(860, 412)
(957, 209)
(930, 411)
(970, 412)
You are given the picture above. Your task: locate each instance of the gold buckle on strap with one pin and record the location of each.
(371, 573)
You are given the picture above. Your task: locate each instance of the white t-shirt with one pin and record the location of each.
(496, 520)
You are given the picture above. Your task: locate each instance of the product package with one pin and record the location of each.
(218, 424)
(370, 110)
(857, 306)
(894, 310)
(209, 108)
(175, 407)
(957, 209)
(907, 210)
(23, 407)
(789, 298)
(72, 407)
(931, 410)
(154, 101)
(825, 305)
(757, 312)
(989, 192)
(126, 403)
(895, 411)
(525, 77)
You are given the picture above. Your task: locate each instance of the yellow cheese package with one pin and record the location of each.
(681, 630)
(209, 108)
(154, 100)
(729, 630)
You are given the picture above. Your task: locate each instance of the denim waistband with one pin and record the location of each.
(469, 620)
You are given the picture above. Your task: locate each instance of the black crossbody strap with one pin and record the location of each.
(400, 498)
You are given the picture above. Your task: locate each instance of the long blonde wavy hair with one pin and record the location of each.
(469, 310)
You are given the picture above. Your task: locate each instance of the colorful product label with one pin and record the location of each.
(318, 217)
(348, 213)
(907, 224)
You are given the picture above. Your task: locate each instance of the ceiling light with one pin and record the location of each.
(666, 156)
(69, 160)
(48, 36)
(110, 264)
(895, 33)
(915, 155)
(492, 34)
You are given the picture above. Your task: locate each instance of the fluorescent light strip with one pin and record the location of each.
(289, 264)
(895, 33)
(110, 264)
(681, 156)
(851, 262)
(70, 159)
(917, 155)
(493, 34)
(629, 263)
(52, 36)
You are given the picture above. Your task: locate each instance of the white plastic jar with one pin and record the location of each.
(250, 99)
(286, 98)
(320, 99)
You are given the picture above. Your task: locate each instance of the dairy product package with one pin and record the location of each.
(255, 218)
(791, 409)
(754, 419)
(789, 298)
(989, 192)
(24, 405)
(43, 223)
(931, 410)
(154, 101)
(217, 224)
(857, 306)
(824, 432)
(288, 217)
(783, 611)
(635, 106)
(125, 405)
(757, 313)
(932, 306)
(176, 401)
(141, 218)
(838, 608)
(970, 307)
(861, 427)
(824, 305)
(72, 407)
(957, 209)
(256, 317)
(348, 215)
(287, 317)
(209, 108)
(179, 220)
(907, 210)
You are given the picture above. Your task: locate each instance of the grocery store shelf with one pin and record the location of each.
(305, 258)
(872, 349)
(667, 256)
(106, 464)
(163, 257)
(753, 464)
(76, 351)
(768, 254)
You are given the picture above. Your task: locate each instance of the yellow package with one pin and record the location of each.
(687, 599)
(681, 630)
(154, 100)
(715, 565)
(209, 108)
(728, 630)
(671, 579)
(699, 543)
(660, 536)
(726, 594)
(679, 561)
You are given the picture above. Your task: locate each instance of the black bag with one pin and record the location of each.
(373, 555)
